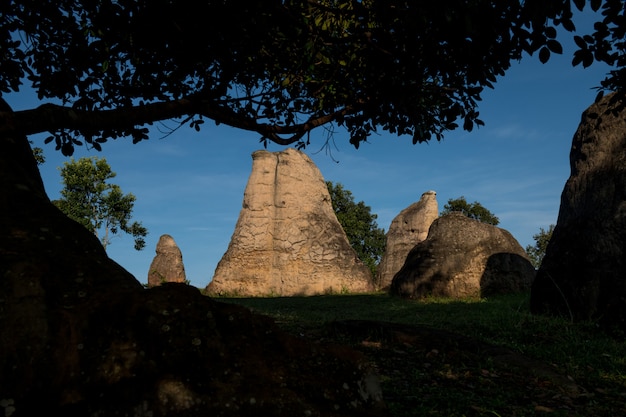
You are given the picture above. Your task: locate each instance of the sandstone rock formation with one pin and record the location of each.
(287, 240)
(463, 257)
(167, 265)
(80, 336)
(583, 273)
(407, 229)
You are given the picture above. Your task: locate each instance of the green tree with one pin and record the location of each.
(280, 68)
(537, 252)
(101, 207)
(360, 225)
(473, 210)
(37, 153)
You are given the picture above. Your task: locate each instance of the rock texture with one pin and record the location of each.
(167, 265)
(80, 336)
(583, 273)
(287, 240)
(407, 229)
(463, 257)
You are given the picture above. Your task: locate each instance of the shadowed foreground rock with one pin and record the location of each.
(583, 273)
(464, 257)
(80, 336)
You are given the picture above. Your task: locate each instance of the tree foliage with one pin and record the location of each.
(102, 208)
(360, 225)
(473, 210)
(537, 252)
(279, 68)
(37, 153)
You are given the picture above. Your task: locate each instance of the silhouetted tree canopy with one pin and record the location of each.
(279, 68)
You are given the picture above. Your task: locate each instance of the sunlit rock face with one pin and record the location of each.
(583, 273)
(288, 240)
(167, 265)
(407, 229)
(463, 257)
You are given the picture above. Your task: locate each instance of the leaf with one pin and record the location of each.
(578, 58)
(568, 25)
(67, 149)
(580, 42)
(580, 4)
(587, 59)
(595, 5)
(599, 96)
(554, 46)
(544, 55)
(551, 32)
(600, 27)
(468, 124)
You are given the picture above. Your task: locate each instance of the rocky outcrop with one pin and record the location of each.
(167, 265)
(462, 257)
(583, 273)
(80, 336)
(288, 240)
(407, 229)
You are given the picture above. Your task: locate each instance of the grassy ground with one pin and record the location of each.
(475, 357)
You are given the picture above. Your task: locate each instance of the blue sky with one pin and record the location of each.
(190, 185)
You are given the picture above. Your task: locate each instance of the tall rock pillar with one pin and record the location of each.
(583, 273)
(167, 265)
(407, 229)
(287, 240)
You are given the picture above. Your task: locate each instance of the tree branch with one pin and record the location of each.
(51, 118)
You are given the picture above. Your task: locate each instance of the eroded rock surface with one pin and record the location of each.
(167, 265)
(407, 229)
(288, 240)
(462, 257)
(583, 273)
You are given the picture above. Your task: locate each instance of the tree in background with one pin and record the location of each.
(37, 153)
(473, 210)
(537, 252)
(101, 207)
(359, 224)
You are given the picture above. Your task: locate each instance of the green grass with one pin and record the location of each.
(582, 351)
